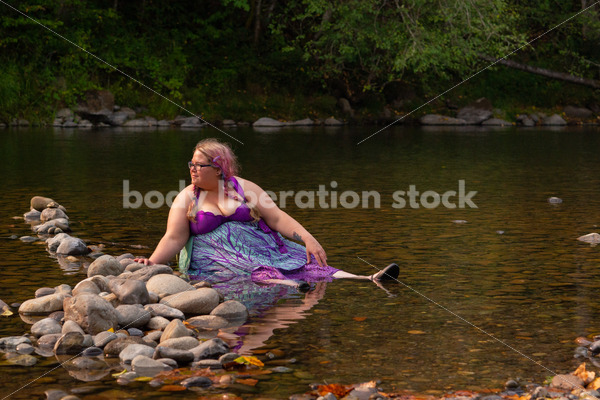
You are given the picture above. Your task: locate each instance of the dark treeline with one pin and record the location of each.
(241, 58)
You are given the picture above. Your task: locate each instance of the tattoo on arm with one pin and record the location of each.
(295, 236)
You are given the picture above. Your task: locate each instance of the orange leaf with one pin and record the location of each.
(415, 332)
(594, 385)
(338, 390)
(172, 388)
(359, 319)
(585, 376)
(249, 381)
(325, 362)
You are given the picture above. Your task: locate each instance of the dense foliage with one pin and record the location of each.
(240, 57)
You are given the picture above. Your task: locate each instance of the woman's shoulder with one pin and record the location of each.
(185, 197)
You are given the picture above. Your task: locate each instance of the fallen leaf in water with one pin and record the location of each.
(172, 388)
(586, 376)
(594, 385)
(416, 332)
(324, 362)
(249, 360)
(6, 313)
(119, 373)
(143, 379)
(249, 381)
(338, 390)
(359, 319)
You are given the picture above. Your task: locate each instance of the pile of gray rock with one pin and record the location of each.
(144, 316)
(124, 315)
(53, 220)
(481, 112)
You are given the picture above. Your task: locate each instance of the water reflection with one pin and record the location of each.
(533, 286)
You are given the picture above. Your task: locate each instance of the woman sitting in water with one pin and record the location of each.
(233, 228)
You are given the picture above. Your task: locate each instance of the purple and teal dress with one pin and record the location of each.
(234, 252)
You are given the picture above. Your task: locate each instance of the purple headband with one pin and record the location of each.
(215, 163)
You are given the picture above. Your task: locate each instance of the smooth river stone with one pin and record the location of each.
(146, 366)
(157, 323)
(91, 312)
(165, 311)
(133, 350)
(70, 343)
(175, 329)
(231, 310)
(213, 349)
(46, 326)
(132, 316)
(181, 343)
(105, 265)
(129, 291)
(146, 273)
(43, 305)
(167, 284)
(199, 301)
(208, 322)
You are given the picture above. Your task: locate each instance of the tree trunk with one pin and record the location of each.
(257, 26)
(545, 72)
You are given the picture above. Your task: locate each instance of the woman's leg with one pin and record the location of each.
(390, 272)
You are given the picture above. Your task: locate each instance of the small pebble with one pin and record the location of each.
(55, 394)
(25, 348)
(92, 352)
(281, 370)
(135, 332)
(554, 200)
(197, 381)
(511, 384)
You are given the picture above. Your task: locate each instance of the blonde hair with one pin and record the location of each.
(220, 156)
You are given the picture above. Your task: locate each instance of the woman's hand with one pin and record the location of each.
(314, 248)
(143, 260)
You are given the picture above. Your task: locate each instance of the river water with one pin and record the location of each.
(486, 294)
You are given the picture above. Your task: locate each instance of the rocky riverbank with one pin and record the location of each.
(125, 318)
(98, 110)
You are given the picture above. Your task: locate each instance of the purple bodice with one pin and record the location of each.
(208, 222)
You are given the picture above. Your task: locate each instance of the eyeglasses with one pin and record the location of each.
(193, 166)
